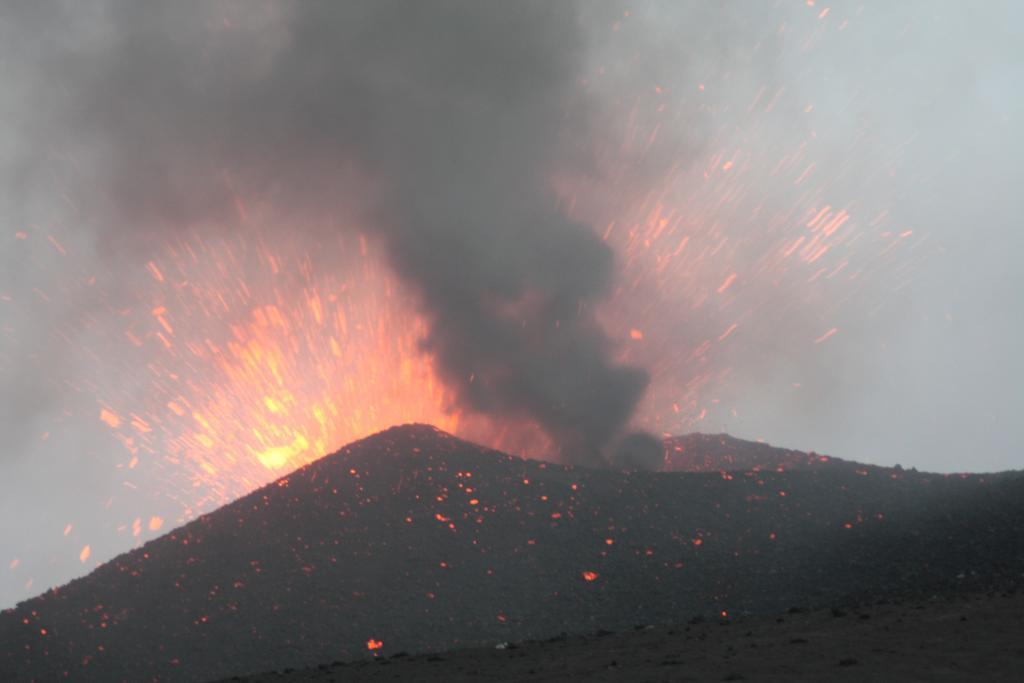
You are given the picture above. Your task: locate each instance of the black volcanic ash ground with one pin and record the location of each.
(425, 542)
(961, 637)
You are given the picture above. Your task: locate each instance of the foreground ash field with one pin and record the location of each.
(955, 637)
(413, 541)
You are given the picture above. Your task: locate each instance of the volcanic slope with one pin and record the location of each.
(412, 540)
(723, 453)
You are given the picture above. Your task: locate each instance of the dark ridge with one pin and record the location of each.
(698, 452)
(424, 542)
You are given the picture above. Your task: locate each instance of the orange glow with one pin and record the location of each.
(155, 523)
(727, 283)
(372, 644)
(84, 555)
(590, 576)
(110, 418)
(255, 361)
(826, 335)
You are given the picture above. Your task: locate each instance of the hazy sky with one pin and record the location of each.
(542, 146)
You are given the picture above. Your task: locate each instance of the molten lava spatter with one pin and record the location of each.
(248, 360)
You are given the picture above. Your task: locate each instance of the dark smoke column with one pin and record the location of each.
(512, 327)
(509, 282)
(458, 114)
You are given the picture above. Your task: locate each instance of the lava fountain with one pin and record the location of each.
(239, 361)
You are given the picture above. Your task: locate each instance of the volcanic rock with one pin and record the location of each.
(723, 453)
(928, 641)
(414, 541)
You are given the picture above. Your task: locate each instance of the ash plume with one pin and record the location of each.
(440, 124)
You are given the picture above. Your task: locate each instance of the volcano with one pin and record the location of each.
(413, 540)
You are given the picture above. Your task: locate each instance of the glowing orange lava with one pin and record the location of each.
(248, 360)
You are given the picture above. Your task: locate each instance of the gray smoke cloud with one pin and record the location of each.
(452, 116)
